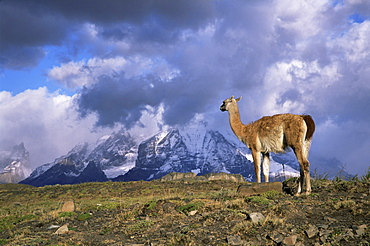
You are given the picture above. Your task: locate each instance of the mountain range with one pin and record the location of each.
(14, 164)
(118, 157)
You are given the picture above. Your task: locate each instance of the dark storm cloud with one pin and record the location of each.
(180, 13)
(216, 56)
(125, 100)
(24, 30)
(119, 100)
(27, 26)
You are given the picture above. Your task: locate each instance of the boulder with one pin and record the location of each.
(62, 230)
(234, 240)
(256, 217)
(177, 176)
(68, 206)
(225, 176)
(312, 231)
(291, 240)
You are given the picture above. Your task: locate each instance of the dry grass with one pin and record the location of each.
(160, 212)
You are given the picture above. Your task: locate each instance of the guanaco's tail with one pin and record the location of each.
(310, 126)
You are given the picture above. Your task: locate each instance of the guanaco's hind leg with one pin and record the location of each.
(304, 164)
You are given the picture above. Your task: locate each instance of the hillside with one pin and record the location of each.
(184, 213)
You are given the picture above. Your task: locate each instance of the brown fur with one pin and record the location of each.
(274, 134)
(310, 126)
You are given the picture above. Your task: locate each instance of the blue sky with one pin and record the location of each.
(72, 71)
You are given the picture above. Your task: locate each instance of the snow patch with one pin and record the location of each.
(196, 171)
(280, 170)
(117, 171)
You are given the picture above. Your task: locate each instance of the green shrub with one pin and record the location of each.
(84, 216)
(272, 194)
(366, 177)
(66, 214)
(151, 205)
(258, 199)
(8, 222)
(190, 207)
(140, 225)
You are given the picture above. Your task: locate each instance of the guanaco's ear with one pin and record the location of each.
(238, 99)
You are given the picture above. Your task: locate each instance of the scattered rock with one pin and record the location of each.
(312, 231)
(277, 238)
(360, 230)
(324, 227)
(68, 206)
(290, 186)
(291, 240)
(234, 240)
(331, 220)
(191, 213)
(256, 217)
(53, 227)
(349, 233)
(62, 230)
(251, 189)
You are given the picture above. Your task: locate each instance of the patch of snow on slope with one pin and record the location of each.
(196, 171)
(193, 136)
(246, 155)
(278, 170)
(117, 171)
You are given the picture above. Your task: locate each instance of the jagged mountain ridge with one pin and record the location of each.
(111, 154)
(174, 151)
(14, 165)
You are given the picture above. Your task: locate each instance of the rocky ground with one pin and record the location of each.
(184, 213)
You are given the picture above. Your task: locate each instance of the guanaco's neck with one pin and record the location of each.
(235, 122)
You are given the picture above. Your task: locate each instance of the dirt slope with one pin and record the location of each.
(184, 213)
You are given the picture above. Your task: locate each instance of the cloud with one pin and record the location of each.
(76, 74)
(30, 27)
(24, 33)
(45, 122)
(172, 61)
(345, 141)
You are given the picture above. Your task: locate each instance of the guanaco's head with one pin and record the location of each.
(230, 101)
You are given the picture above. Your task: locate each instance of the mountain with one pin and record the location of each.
(328, 168)
(111, 156)
(201, 152)
(115, 153)
(14, 165)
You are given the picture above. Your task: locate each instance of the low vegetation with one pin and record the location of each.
(184, 213)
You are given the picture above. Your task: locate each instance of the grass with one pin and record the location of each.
(344, 204)
(8, 222)
(217, 202)
(258, 199)
(139, 226)
(151, 205)
(84, 216)
(66, 214)
(272, 194)
(190, 207)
